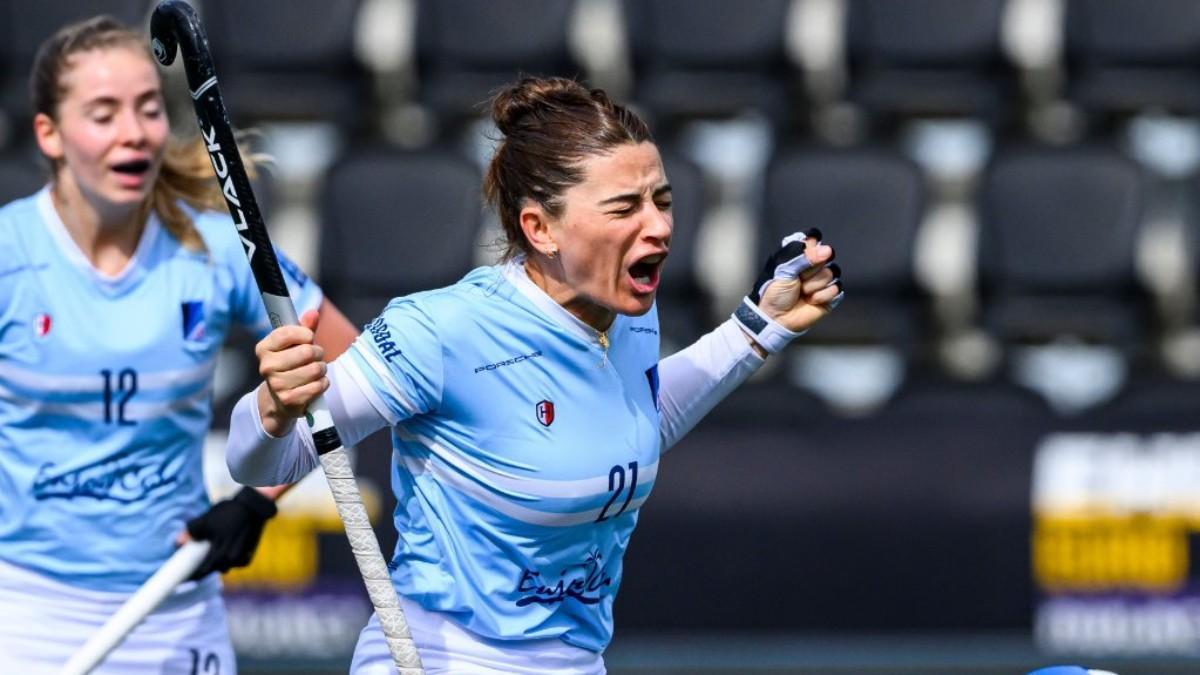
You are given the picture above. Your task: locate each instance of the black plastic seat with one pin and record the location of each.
(1124, 56)
(395, 222)
(466, 49)
(868, 202)
(289, 60)
(928, 58)
(1058, 245)
(710, 58)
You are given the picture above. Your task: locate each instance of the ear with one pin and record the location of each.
(48, 138)
(539, 229)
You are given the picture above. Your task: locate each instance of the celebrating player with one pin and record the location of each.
(527, 402)
(118, 284)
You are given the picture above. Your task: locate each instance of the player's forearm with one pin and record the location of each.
(256, 457)
(697, 378)
(274, 492)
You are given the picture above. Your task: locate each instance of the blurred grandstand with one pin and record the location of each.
(987, 460)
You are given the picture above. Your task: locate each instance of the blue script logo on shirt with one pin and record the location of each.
(583, 582)
(120, 478)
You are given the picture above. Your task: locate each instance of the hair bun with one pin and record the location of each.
(522, 101)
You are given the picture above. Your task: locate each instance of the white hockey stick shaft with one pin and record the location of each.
(139, 605)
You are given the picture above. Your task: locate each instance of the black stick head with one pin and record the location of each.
(172, 21)
(164, 48)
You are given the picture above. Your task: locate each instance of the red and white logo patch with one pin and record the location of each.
(545, 413)
(41, 325)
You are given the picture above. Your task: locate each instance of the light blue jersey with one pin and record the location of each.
(105, 391)
(523, 451)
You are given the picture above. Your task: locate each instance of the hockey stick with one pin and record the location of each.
(175, 24)
(172, 573)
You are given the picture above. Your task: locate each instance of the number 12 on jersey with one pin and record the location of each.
(118, 389)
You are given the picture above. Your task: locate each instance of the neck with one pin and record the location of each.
(107, 234)
(547, 275)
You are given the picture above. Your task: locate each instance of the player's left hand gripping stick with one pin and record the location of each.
(175, 24)
(787, 263)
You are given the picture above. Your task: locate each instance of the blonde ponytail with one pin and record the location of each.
(187, 176)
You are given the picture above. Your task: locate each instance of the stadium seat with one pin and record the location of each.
(1125, 55)
(289, 60)
(710, 58)
(928, 58)
(468, 48)
(869, 203)
(1058, 244)
(26, 25)
(395, 222)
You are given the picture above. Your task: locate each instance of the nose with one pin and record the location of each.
(132, 131)
(658, 225)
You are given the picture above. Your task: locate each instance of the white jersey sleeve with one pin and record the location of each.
(697, 378)
(257, 458)
(376, 383)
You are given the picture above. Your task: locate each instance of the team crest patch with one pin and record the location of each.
(193, 320)
(41, 325)
(652, 380)
(545, 413)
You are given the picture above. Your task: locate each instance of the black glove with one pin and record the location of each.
(787, 262)
(234, 527)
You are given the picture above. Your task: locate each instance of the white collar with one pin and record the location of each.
(515, 273)
(75, 255)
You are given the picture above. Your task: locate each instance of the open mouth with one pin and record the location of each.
(645, 272)
(134, 167)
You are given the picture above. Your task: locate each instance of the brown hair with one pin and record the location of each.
(186, 174)
(549, 126)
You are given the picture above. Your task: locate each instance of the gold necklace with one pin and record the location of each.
(602, 338)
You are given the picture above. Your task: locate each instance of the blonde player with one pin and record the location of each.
(117, 287)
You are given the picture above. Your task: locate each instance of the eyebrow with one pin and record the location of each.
(634, 196)
(99, 101)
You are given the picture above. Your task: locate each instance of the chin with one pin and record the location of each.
(636, 306)
(127, 196)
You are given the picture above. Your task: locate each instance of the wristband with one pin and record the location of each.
(766, 332)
